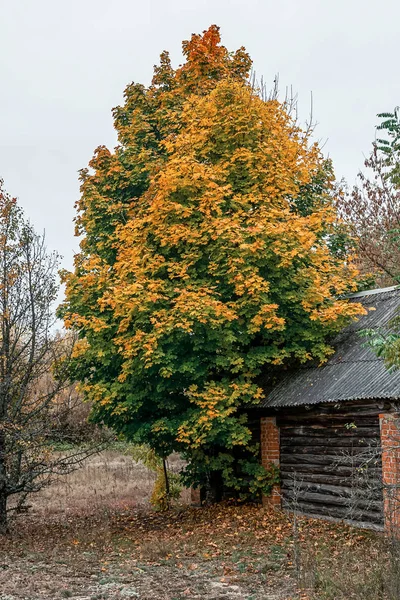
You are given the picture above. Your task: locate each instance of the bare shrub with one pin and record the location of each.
(33, 363)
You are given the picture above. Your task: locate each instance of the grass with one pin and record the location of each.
(111, 480)
(107, 480)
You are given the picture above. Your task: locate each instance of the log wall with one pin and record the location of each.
(331, 464)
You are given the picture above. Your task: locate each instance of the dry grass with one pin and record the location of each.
(107, 480)
(110, 480)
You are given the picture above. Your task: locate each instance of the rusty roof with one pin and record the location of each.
(353, 372)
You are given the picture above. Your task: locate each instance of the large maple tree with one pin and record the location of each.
(207, 256)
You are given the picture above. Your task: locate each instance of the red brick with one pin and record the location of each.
(390, 444)
(270, 454)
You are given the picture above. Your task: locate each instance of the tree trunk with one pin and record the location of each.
(166, 478)
(213, 491)
(3, 512)
(3, 494)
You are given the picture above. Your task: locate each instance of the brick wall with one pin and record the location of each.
(270, 452)
(390, 444)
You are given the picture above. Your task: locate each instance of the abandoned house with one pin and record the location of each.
(333, 430)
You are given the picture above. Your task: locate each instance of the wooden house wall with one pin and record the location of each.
(330, 462)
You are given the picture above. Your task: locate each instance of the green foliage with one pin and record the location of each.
(161, 497)
(386, 344)
(237, 473)
(389, 146)
(256, 480)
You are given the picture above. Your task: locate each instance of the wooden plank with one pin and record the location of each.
(329, 441)
(341, 419)
(342, 491)
(329, 478)
(344, 450)
(320, 459)
(332, 469)
(321, 431)
(332, 410)
(369, 412)
(338, 513)
(328, 500)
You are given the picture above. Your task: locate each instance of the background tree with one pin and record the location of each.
(207, 256)
(386, 167)
(29, 352)
(389, 146)
(372, 209)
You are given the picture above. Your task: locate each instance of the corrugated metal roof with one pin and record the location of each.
(354, 372)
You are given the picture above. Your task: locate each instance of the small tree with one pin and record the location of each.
(30, 353)
(372, 209)
(374, 214)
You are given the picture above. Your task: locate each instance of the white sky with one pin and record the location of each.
(64, 65)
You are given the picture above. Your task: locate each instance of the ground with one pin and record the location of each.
(94, 536)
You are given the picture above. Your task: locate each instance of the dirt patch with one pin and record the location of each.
(188, 553)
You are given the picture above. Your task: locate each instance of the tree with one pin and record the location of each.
(30, 353)
(207, 256)
(386, 196)
(390, 145)
(372, 209)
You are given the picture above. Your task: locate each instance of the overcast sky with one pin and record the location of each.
(64, 65)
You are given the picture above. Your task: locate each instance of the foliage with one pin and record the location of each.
(168, 485)
(372, 209)
(383, 195)
(386, 344)
(161, 497)
(207, 256)
(236, 473)
(389, 146)
(259, 480)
